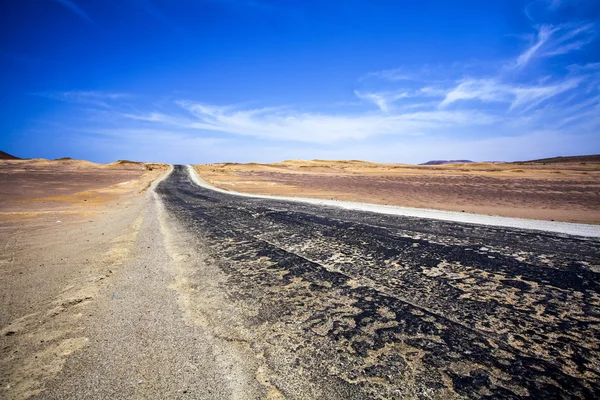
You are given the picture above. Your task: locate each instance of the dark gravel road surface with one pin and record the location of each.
(347, 304)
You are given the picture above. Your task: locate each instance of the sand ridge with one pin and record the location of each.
(39, 184)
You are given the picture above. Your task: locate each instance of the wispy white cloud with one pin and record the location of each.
(573, 38)
(199, 132)
(290, 125)
(383, 100)
(427, 73)
(89, 97)
(543, 34)
(553, 40)
(392, 75)
(529, 97)
(389, 123)
(553, 4)
(151, 9)
(141, 136)
(518, 96)
(584, 67)
(480, 89)
(83, 95)
(73, 7)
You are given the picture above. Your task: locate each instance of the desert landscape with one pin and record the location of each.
(136, 280)
(560, 189)
(300, 200)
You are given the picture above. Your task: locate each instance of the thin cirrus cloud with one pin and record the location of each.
(82, 96)
(553, 40)
(550, 41)
(447, 110)
(451, 108)
(394, 74)
(490, 90)
(74, 8)
(382, 99)
(86, 97)
(285, 124)
(282, 124)
(146, 5)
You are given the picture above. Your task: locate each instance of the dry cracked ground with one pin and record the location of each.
(183, 292)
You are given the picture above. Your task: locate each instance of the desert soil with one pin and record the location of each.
(126, 281)
(91, 303)
(568, 191)
(65, 228)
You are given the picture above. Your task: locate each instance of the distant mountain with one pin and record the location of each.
(568, 159)
(6, 156)
(440, 162)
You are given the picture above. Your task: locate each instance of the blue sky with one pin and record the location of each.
(199, 81)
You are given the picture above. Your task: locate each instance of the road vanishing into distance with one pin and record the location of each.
(346, 304)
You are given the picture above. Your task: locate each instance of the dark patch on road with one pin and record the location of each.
(391, 306)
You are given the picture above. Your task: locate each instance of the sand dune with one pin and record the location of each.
(40, 184)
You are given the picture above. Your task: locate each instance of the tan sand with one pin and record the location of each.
(65, 227)
(567, 191)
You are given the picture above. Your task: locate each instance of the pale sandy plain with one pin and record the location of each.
(554, 191)
(93, 296)
(65, 228)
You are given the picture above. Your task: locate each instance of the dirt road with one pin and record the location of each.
(88, 309)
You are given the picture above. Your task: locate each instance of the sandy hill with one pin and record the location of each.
(594, 158)
(441, 162)
(6, 156)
